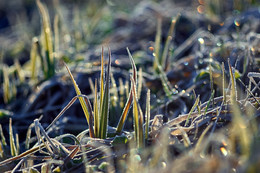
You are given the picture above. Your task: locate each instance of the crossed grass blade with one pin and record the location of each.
(130, 97)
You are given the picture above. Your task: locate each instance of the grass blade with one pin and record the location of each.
(126, 109)
(83, 103)
(96, 112)
(147, 114)
(223, 83)
(140, 82)
(3, 140)
(11, 136)
(157, 60)
(133, 65)
(105, 102)
(233, 84)
(47, 38)
(192, 109)
(138, 117)
(167, 44)
(33, 58)
(102, 78)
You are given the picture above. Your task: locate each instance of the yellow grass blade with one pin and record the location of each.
(82, 102)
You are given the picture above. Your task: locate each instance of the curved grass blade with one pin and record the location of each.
(83, 104)
(165, 63)
(126, 109)
(47, 39)
(105, 102)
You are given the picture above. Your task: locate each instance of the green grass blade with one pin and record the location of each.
(192, 109)
(211, 97)
(135, 112)
(82, 102)
(96, 111)
(105, 102)
(33, 58)
(102, 78)
(138, 118)
(157, 60)
(167, 44)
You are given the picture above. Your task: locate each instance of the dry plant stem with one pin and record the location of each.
(62, 112)
(24, 154)
(38, 130)
(250, 93)
(17, 166)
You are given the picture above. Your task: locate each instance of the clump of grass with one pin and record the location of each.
(98, 128)
(42, 47)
